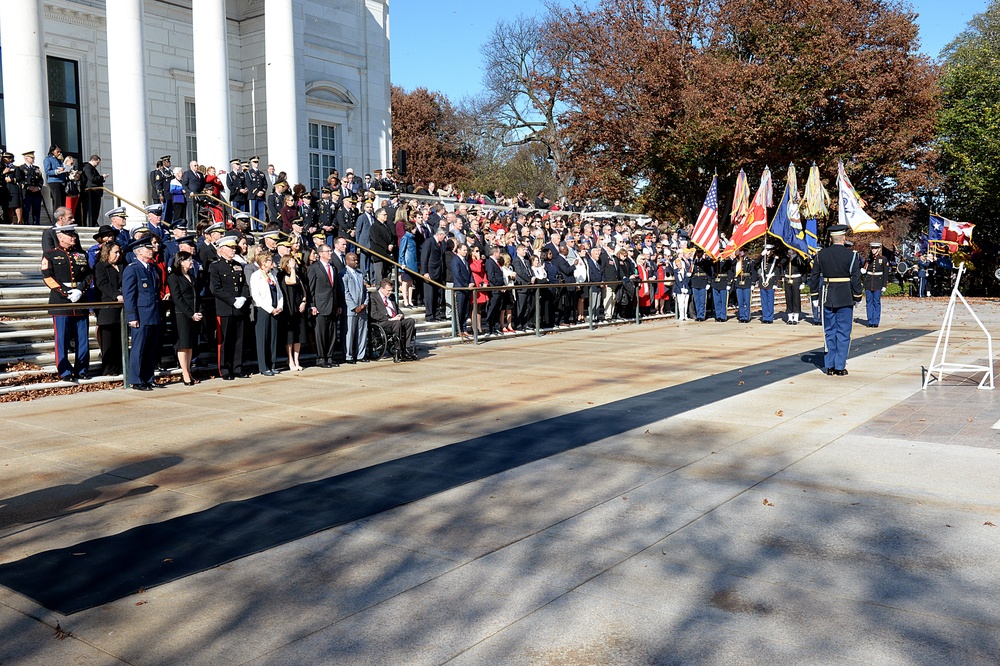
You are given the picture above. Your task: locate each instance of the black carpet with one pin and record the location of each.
(95, 572)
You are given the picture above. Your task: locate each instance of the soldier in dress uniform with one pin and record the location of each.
(768, 277)
(724, 269)
(231, 293)
(874, 275)
(307, 211)
(237, 187)
(31, 181)
(257, 191)
(275, 201)
(346, 218)
(794, 268)
(67, 273)
(154, 220)
(325, 211)
(141, 298)
(161, 190)
(743, 279)
(839, 270)
(701, 277)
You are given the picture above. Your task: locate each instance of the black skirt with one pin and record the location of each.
(187, 332)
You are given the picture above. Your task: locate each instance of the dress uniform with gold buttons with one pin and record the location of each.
(231, 292)
(31, 188)
(67, 273)
(874, 276)
(836, 283)
(769, 276)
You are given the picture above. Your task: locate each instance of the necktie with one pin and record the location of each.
(329, 273)
(388, 307)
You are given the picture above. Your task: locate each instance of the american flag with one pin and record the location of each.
(706, 229)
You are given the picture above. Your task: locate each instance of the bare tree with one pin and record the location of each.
(523, 90)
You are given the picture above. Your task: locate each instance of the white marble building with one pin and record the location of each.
(304, 84)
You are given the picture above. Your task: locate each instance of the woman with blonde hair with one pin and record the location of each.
(268, 301)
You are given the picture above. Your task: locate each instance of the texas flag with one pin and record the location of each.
(950, 231)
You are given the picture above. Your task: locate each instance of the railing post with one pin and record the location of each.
(125, 351)
(538, 312)
(455, 333)
(475, 311)
(591, 317)
(640, 283)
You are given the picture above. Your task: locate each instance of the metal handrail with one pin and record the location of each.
(385, 194)
(228, 205)
(141, 209)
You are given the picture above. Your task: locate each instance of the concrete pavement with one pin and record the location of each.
(668, 493)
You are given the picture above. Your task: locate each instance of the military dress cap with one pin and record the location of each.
(8, 156)
(327, 190)
(155, 209)
(218, 227)
(165, 158)
(875, 244)
(117, 212)
(241, 215)
(178, 224)
(273, 233)
(235, 160)
(105, 230)
(283, 183)
(30, 153)
(838, 230)
(186, 240)
(233, 233)
(226, 241)
(66, 229)
(141, 231)
(145, 241)
(768, 246)
(285, 243)
(255, 159)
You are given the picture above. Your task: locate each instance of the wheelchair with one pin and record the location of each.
(381, 343)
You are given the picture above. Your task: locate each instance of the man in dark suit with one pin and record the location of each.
(382, 311)
(325, 294)
(192, 183)
(383, 241)
(141, 297)
(363, 236)
(566, 297)
(595, 274)
(231, 291)
(524, 313)
(494, 278)
(433, 269)
(92, 200)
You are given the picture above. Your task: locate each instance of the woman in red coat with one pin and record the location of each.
(478, 269)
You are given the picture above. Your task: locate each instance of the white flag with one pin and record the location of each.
(851, 209)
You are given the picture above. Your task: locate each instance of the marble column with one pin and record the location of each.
(130, 163)
(25, 79)
(211, 84)
(282, 94)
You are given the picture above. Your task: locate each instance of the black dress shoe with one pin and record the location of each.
(364, 360)
(334, 365)
(266, 373)
(141, 387)
(350, 361)
(840, 373)
(828, 372)
(227, 378)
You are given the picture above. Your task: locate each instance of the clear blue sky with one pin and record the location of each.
(435, 43)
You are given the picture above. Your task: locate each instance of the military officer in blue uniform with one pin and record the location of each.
(743, 279)
(171, 246)
(236, 186)
(924, 268)
(154, 221)
(839, 270)
(256, 183)
(141, 297)
(31, 188)
(720, 288)
(701, 277)
(67, 273)
(769, 276)
(874, 276)
(117, 218)
(231, 291)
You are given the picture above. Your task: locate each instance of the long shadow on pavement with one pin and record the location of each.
(95, 572)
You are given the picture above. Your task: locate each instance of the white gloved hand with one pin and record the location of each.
(240, 302)
(815, 302)
(74, 295)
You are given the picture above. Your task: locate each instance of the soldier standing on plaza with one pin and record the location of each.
(768, 278)
(720, 288)
(875, 276)
(231, 292)
(67, 273)
(794, 268)
(31, 188)
(141, 298)
(839, 270)
(743, 284)
(701, 277)
(257, 191)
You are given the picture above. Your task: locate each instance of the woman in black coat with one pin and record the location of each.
(294, 320)
(187, 310)
(108, 281)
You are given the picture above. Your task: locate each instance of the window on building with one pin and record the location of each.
(64, 105)
(322, 153)
(191, 130)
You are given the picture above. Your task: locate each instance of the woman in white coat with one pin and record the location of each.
(268, 302)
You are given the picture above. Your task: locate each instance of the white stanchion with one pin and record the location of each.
(940, 365)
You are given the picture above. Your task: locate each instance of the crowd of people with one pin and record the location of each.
(284, 269)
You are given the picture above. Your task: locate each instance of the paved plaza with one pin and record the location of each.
(670, 493)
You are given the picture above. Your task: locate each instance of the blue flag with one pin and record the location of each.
(812, 240)
(781, 228)
(936, 228)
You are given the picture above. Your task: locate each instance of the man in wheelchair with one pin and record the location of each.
(383, 312)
